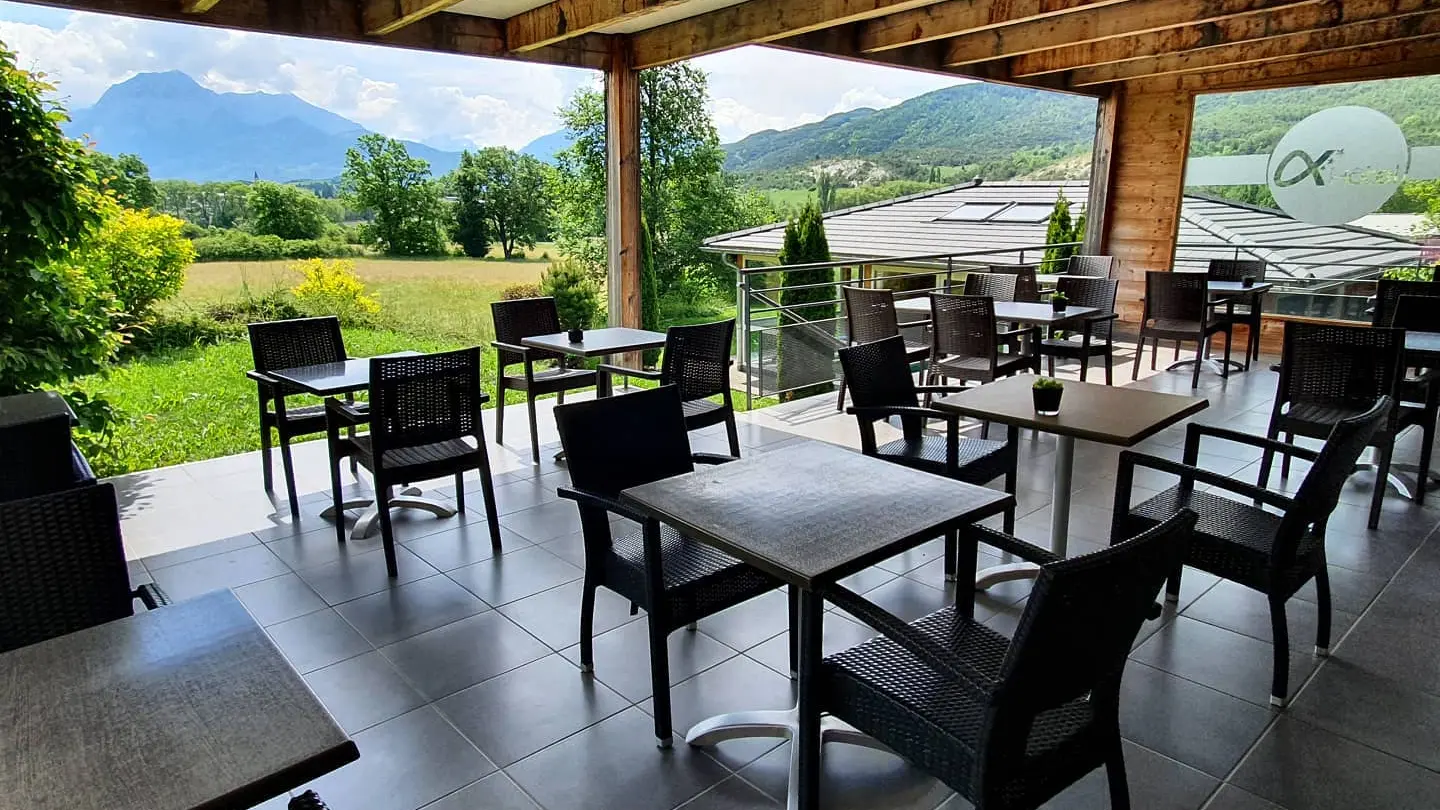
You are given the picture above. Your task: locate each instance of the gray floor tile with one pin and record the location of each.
(1220, 659)
(616, 764)
(909, 599)
(191, 553)
(544, 522)
(516, 575)
(405, 763)
(494, 792)
(1230, 797)
(317, 640)
(1156, 783)
(1347, 700)
(279, 599)
(363, 691)
(622, 657)
(839, 632)
(1203, 728)
(751, 622)
(520, 495)
(915, 557)
(318, 547)
(406, 610)
(1350, 591)
(739, 684)
(1298, 765)
(524, 710)
(363, 574)
(852, 778)
(463, 545)
(230, 569)
(553, 616)
(450, 658)
(732, 794)
(1235, 607)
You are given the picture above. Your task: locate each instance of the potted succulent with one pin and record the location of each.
(1059, 301)
(1247, 281)
(576, 297)
(1046, 392)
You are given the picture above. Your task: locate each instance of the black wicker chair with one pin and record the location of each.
(62, 566)
(1387, 295)
(1177, 307)
(883, 388)
(1329, 373)
(423, 408)
(1096, 266)
(37, 456)
(965, 341)
(1027, 287)
(870, 315)
(619, 442)
(1272, 552)
(697, 361)
(996, 286)
(1420, 389)
(515, 321)
(1248, 315)
(1096, 331)
(276, 345)
(1009, 723)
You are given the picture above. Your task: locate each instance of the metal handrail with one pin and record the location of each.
(918, 257)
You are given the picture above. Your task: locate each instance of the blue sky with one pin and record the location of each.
(446, 101)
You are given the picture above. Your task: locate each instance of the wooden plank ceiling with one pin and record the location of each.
(1080, 46)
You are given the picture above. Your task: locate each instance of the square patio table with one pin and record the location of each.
(1090, 411)
(602, 343)
(1018, 312)
(184, 707)
(808, 514)
(349, 376)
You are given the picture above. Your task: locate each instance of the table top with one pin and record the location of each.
(1422, 342)
(1011, 311)
(813, 512)
(329, 379)
(599, 342)
(1091, 411)
(35, 406)
(1237, 287)
(187, 706)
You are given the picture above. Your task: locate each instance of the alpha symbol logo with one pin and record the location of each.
(1337, 165)
(1311, 169)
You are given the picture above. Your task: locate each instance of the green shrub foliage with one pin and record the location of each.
(805, 243)
(285, 211)
(577, 298)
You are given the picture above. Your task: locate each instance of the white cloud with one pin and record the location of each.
(857, 97)
(734, 120)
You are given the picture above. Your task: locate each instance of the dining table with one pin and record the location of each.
(186, 707)
(347, 377)
(602, 343)
(1013, 311)
(808, 514)
(1122, 416)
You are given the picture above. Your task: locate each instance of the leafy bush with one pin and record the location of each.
(233, 245)
(168, 331)
(332, 288)
(517, 291)
(141, 256)
(284, 211)
(577, 299)
(275, 305)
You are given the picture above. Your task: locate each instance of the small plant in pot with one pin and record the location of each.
(1247, 281)
(1059, 301)
(1046, 392)
(576, 297)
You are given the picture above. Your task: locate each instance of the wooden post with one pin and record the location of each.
(1101, 172)
(622, 184)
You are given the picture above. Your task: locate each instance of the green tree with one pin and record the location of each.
(649, 289)
(825, 190)
(127, 178)
(504, 196)
(1062, 229)
(57, 321)
(409, 213)
(208, 205)
(284, 211)
(805, 243)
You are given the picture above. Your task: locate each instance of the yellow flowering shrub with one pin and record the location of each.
(332, 288)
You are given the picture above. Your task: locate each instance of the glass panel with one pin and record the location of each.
(1028, 213)
(973, 212)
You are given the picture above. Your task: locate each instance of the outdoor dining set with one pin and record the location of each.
(1005, 720)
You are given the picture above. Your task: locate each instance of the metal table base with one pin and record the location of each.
(1215, 365)
(777, 724)
(369, 522)
(1059, 521)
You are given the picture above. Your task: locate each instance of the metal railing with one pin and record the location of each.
(785, 348)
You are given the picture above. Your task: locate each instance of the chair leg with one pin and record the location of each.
(1177, 352)
(1285, 460)
(793, 597)
(1154, 351)
(289, 476)
(500, 407)
(1322, 601)
(587, 625)
(1280, 682)
(1229, 336)
(1084, 367)
(1426, 450)
(840, 404)
(1139, 350)
(1195, 373)
(1115, 776)
(487, 491)
(1382, 481)
(1267, 460)
(1172, 585)
(336, 499)
(559, 397)
(952, 554)
(1050, 365)
(534, 427)
(1109, 366)
(660, 679)
(387, 532)
(732, 434)
(266, 473)
(460, 491)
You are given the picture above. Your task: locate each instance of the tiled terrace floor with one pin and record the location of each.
(458, 683)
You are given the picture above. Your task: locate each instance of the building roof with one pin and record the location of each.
(935, 222)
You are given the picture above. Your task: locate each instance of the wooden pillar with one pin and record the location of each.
(1097, 220)
(622, 184)
(1142, 175)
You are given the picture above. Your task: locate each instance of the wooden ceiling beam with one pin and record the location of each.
(1090, 25)
(339, 21)
(1244, 28)
(955, 16)
(562, 19)
(197, 6)
(388, 16)
(1413, 58)
(1366, 34)
(754, 22)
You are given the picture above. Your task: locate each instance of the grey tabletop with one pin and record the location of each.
(329, 379)
(1011, 311)
(187, 706)
(813, 512)
(1225, 288)
(35, 406)
(599, 342)
(1097, 413)
(1424, 343)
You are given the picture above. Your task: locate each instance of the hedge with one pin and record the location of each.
(241, 246)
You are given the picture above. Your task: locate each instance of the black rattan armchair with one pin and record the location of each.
(697, 361)
(870, 316)
(1272, 551)
(1096, 266)
(424, 423)
(1250, 315)
(277, 345)
(1096, 331)
(965, 341)
(515, 321)
(1387, 296)
(1420, 389)
(1027, 287)
(62, 566)
(996, 286)
(1009, 723)
(1177, 307)
(883, 389)
(619, 442)
(37, 456)
(1329, 373)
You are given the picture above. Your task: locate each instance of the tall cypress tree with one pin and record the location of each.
(1060, 230)
(649, 287)
(805, 243)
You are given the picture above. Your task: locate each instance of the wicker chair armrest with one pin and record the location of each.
(941, 389)
(1236, 436)
(510, 347)
(1012, 545)
(1003, 334)
(593, 500)
(622, 371)
(343, 414)
(1130, 459)
(261, 377)
(886, 411)
(944, 661)
(712, 458)
(1100, 316)
(151, 596)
